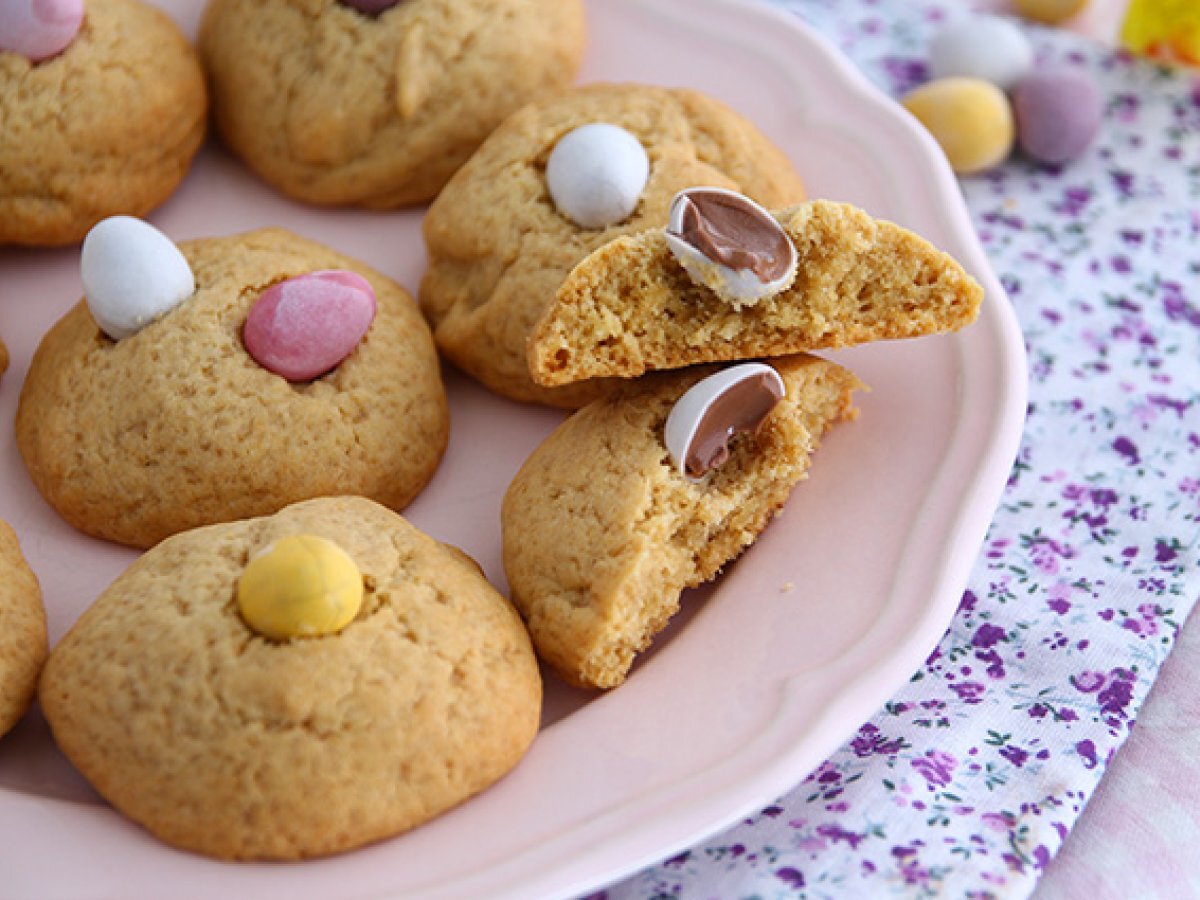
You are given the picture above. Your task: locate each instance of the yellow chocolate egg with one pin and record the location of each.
(970, 118)
(1050, 12)
(301, 585)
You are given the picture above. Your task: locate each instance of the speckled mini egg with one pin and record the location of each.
(1049, 12)
(970, 118)
(986, 47)
(1058, 112)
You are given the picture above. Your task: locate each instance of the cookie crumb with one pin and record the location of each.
(788, 587)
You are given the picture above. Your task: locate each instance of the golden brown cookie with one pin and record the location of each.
(177, 426)
(335, 106)
(221, 741)
(499, 248)
(631, 307)
(601, 532)
(22, 631)
(108, 126)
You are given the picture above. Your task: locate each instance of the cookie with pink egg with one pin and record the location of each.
(377, 103)
(104, 106)
(227, 377)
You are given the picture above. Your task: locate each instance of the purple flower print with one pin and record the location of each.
(1117, 693)
(936, 767)
(1014, 755)
(870, 741)
(793, 878)
(969, 691)
(1088, 682)
(1127, 449)
(988, 635)
(1087, 751)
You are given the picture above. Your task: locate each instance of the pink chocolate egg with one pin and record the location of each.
(1058, 112)
(39, 29)
(303, 327)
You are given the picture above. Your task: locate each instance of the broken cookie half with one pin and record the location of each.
(651, 490)
(726, 280)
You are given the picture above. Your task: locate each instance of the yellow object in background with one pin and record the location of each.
(300, 586)
(1164, 29)
(970, 118)
(1049, 12)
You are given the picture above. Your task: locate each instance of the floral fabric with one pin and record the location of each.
(966, 783)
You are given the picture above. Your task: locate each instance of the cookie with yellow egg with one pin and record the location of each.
(226, 378)
(22, 631)
(295, 685)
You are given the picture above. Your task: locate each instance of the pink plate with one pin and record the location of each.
(764, 674)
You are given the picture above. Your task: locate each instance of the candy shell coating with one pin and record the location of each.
(132, 274)
(300, 586)
(39, 29)
(305, 326)
(971, 120)
(981, 46)
(596, 174)
(1049, 12)
(1058, 113)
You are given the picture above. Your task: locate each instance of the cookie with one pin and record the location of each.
(109, 125)
(631, 306)
(602, 531)
(499, 247)
(22, 631)
(177, 425)
(228, 743)
(336, 106)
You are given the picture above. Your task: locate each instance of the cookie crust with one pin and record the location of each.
(108, 126)
(177, 426)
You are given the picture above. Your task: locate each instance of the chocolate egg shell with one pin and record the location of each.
(1058, 112)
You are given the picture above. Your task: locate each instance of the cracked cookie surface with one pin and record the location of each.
(22, 631)
(499, 249)
(223, 742)
(177, 426)
(108, 126)
(336, 107)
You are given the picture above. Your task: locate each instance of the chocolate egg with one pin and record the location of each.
(39, 29)
(969, 118)
(1049, 12)
(986, 47)
(303, 327)
(1058, 112)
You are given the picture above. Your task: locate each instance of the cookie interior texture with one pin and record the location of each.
(108, 126)
(499, 249)
(229, 744)
(177, 426)
(22, 631)
(630, 306)
(601, 533)
(336, 107)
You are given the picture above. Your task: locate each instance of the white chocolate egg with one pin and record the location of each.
(596, 174)
(980, 46)
(132, 274)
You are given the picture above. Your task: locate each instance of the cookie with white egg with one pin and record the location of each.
(225, 736)
(225, 379)
(727, 280)
(376, 103)
(513, 223)
(103, 105)
(22, 631)
(652, 489)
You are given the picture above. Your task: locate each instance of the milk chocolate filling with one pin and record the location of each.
(730, 231)
(744, 406)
